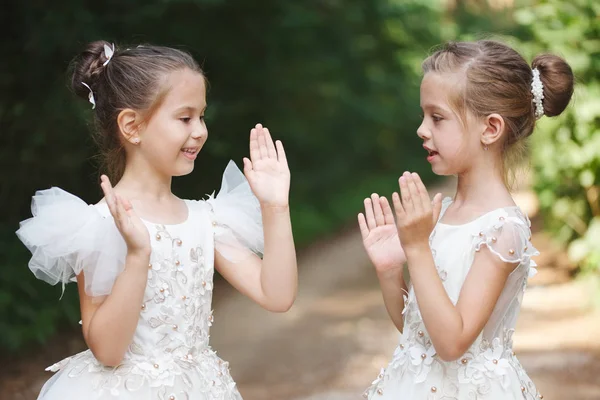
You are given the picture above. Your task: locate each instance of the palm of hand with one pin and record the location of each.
(267, 170)
(380, 235)
(383, 247)
(130, 226)
(270, 181)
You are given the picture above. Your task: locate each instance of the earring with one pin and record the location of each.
(485, 147)
(136, 141)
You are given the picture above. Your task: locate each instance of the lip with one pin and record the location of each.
(190, 152)
(432, 154)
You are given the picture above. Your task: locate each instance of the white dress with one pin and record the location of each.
(489, 370)
(169, 357)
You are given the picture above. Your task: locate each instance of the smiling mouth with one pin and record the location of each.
(190, 152)
(431, 153)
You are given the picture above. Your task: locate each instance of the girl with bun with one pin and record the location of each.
(468, 257)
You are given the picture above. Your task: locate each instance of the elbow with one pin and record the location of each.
(109, 357)
(109, 360)
(449, 352)
(280, 306)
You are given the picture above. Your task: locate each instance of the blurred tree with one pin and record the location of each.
(336, 80)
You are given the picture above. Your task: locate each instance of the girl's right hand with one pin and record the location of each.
(132, 228)
(380, 235)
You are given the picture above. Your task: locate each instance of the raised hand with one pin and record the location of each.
(132, 228)
(416, 214)
(380, 235)
(267, 169)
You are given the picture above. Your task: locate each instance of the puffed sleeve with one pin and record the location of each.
(67, 237)
(237, 218)
(508, 237)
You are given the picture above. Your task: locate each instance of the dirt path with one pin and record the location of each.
(333, 342)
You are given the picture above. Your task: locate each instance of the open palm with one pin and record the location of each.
(380, 235)
(267, 170)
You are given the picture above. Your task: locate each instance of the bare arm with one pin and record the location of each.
(393, 288)
(108, 327)
(453, 329)
(380, 239)
(271, 282)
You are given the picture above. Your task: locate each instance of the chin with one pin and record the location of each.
(182, 171)
(442, 170)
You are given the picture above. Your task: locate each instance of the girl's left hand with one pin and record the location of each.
(267, 169)
(416, 214)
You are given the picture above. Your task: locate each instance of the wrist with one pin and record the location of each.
(391, 274)
(275, 208)
(416, 250)
(138, 256)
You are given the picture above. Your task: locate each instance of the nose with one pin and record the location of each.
(422, 131)
(200, 131)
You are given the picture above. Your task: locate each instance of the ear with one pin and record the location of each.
(493, 129)
(129, 122)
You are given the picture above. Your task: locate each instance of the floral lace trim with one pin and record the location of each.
(493, 364)
(203, 372)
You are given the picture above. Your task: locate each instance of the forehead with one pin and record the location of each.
(439, 89)
(185, 86)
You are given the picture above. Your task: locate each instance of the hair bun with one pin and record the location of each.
(87, 66)
(558, 80)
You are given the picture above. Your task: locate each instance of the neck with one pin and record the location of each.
(142, 181)
(483, 186)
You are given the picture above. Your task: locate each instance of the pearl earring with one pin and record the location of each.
(136, 141)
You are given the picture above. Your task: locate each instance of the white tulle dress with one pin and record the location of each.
(489, 370)
(170, 356)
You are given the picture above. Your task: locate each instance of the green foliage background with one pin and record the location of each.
(336, 80)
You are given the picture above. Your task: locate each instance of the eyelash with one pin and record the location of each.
(185, 120)
(435, 118)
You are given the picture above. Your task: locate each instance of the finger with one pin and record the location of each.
(108, 195)
(400, 212)
(362, 224)
(262, 143)
(436, 205)
(120, 210)
(128, 207)
(388, 215)
(407, 205)
(379, 219)
(254, 149)
(369, 214)
(272, 153)
(247, 167)
(281, 153)
(414, 193)
(424, 195)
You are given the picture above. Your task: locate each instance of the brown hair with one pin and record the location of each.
(497, 79)
(133, 78)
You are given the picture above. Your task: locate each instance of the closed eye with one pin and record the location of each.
(185, 120)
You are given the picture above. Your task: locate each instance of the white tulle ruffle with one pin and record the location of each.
(66, 236)
(237, 217)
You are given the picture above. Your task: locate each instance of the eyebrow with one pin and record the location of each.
(430, 106)
(189, 108)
